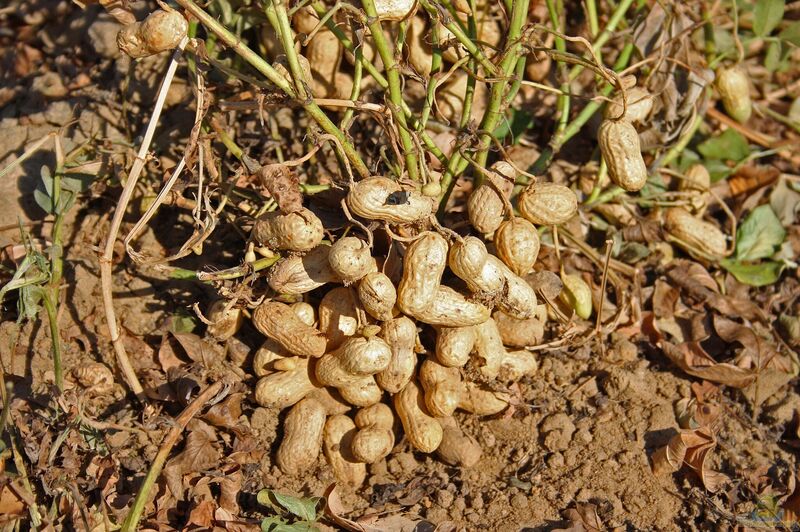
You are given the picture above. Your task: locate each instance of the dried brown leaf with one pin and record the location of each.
(199, 453)
(582, 518)
(202, 515)
(692, 359)
(283, 186)
(690, 447)
(226, 414)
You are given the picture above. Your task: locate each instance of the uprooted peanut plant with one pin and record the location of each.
(419, 221)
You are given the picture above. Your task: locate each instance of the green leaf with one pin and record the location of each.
(717, 169)
(43, 201)
(729, 146)
(276, 524)
(519, 122)
(759, 274)
(305, 508)
(772, 58)
(767, 15)
(759, 235)
(791, 33)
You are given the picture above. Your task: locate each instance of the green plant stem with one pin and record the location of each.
(616, 17)
(591, 16)
(678, 148)
(460, 34)
(257, 62)
(51, 307)
(436, 67)
(277, 17)
(395, 89)
(320, 8)
(563, 103)
(135, 513)
(358, 74)
(469, 93)
(493, 113)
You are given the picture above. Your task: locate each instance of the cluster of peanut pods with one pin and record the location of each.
(343, 326)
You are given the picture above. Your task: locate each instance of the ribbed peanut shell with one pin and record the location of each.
(517, 244)
(518, 364)
(638, 105)
(519, 298)
(489, 348)
(621, 150)
(401, 336)
(418, 49)
(283, 388)
(265, 357)
(224, 323)
(351, 259)
(377, 295)
(338, 318)
(482, 402)
(442, 387)
(364, 356)
(451, 309)
(394, 9)
(296, 231)
(485, 208)
(324, 53)
(305, 312)
(337, 444)
(519, 333)
(454, 345)
(457, 449)
(363, 391)
(159, 32)
(422, 430)
(381, 198)
(734, 89)
(296, 275)
(302, 437)
(548, 203)
(277, 321)
(697, 182)
(698, 234)
(375, 437)
(577, 294)
(423, 266)
(469, 260)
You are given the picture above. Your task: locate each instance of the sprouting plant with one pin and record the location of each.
(38, 276)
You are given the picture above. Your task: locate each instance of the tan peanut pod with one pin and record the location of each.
(363, 391)
(638, 105)
(469, 260)
(296, 275)
(381, 198)
(482, 402)
(305, 312)
(281, 65)
(616, 214)
(296, 231)
(423, 266)
(620, 148)
(337, 443)
(697, 182)
(364, 356)
(548, 203)
(401, 336)
(451, 309)
(338, 317)
(277, 321)
(394, 9)
(305, 20)
(351, 259)
(423, 431)
(343, 86)
(734, 89)
(695, 235)
(224, 323)
(302, 437)
(457, 449)
(288, 384)
(485, 208)
(419, 52)
(375, 437)
(274, 48)
(454, 345)
(96, 377)
(489, 348)
(519, 298)
(577, 294)
(331, 399)
(518, 364)
(159, 32)
(538, 66)
(377, 295)
(519, 333)
(442, 387)
(324, 53)
(517, 244)
(266, 356)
